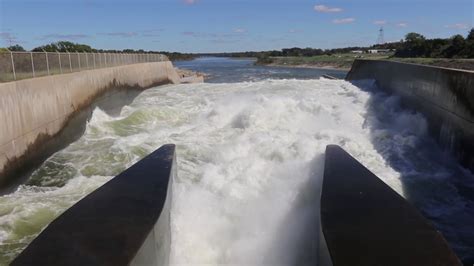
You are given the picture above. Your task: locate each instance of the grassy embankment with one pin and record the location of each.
(337, 61)
(344, 61)
(467, 64)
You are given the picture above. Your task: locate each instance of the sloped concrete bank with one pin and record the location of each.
(34, 111)
(445, 96)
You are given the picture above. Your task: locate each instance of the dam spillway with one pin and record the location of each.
(34, 111)
(245, 151)
(127, 221)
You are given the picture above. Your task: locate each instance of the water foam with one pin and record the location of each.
(248, 154)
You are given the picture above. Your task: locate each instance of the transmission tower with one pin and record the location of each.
(380, 39)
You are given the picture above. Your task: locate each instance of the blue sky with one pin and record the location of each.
(227, 25)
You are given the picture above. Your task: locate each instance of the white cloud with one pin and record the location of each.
(189, 33)
(64, 36)
(295, 31)
(402, 25)
(458, 26)
(7, 36)
(151, 33)
(190, 2)
(121, 34)
(327, 9)
(215, 35)
(343, 20)
(380, 22)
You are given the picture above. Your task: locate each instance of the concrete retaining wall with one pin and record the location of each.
(444, 96)
(34, 110)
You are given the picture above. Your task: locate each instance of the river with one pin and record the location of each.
(247, 142)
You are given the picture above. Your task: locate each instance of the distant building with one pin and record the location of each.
(357, 51)
(379, 51)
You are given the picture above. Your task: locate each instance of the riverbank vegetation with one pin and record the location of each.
(454, 52)
(416, 45)
(338, 61)
(66, 46)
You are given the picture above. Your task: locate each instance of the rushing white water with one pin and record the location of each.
(247, 154)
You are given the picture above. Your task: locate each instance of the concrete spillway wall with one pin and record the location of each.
(124, 222)
(444, 96)
(365, 222)
(32, 111)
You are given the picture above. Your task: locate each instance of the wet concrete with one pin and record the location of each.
(124, 222)
(110, 101)
(366, 223)
(33, 111)
(445, 96)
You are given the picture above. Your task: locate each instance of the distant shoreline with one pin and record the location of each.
(322, 66)
(345, 65)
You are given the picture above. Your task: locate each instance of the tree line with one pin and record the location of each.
(67, 46)
(416, 45)
(287, 52)
(413, 45)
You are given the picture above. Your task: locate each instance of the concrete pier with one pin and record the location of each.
(365, 222)
(124, 222)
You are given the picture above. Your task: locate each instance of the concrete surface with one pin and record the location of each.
(34, 110)
(367, 223)
(445, 96)
(124, 222)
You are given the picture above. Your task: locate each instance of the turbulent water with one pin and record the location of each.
(249, 154)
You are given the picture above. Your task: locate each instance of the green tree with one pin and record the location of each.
(414, 37)
(469, 45)
(129, 51)
(457, 44)
(64, 46)
(470, 36)
(263, 59)
(435, 47)
(415, 45)
(16, 48)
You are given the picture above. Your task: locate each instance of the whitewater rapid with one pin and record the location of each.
(246, 153)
